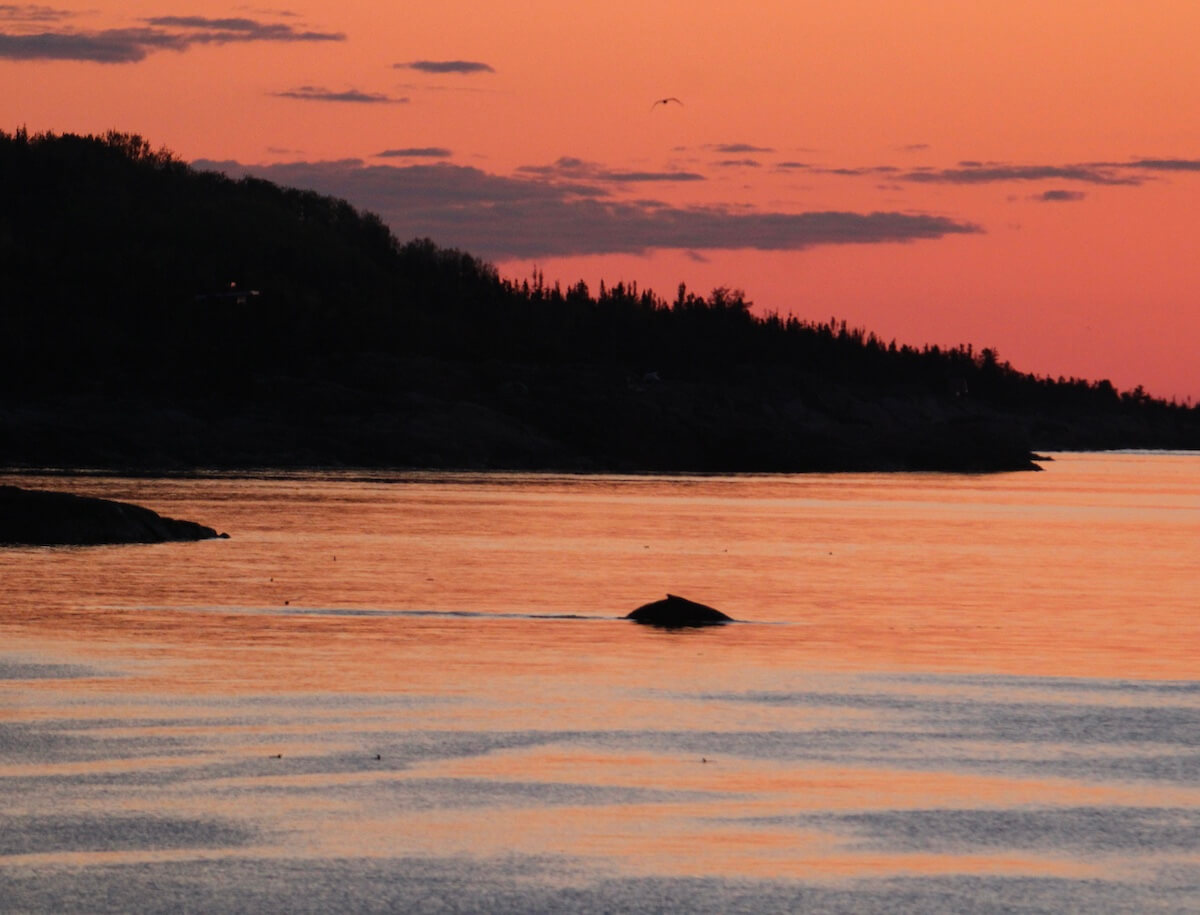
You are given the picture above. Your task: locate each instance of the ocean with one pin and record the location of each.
(415, 692)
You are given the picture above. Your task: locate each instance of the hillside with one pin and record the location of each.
(157, 317)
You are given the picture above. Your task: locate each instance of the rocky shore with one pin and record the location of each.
(33, 517)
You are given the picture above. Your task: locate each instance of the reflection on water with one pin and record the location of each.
(415, 692)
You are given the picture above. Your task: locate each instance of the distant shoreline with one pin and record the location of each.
(404, 474)
(226, 325)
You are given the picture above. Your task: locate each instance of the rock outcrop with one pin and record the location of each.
(677, 612)
(39, 518)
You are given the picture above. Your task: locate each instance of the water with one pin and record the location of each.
(414, 693)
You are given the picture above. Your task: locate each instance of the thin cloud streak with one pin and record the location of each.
(1130, 173)
(353, 96)
(732, 148)
(1059, 196)
(972, 173)
(10, 12)
(238, 29)
(852, 171)
(630, 177)
(519, 217)
(414, 152)
(164, 33)
(446, 66)
(1164, 165)
(575, 169)
(111, 46)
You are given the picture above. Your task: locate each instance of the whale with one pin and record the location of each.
(677, 612)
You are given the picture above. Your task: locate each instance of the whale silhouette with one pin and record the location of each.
(677, 612)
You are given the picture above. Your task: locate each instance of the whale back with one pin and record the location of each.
(675, 611)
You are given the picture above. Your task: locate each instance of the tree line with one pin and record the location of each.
(126, 270)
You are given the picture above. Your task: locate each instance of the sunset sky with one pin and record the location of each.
(1022, 174)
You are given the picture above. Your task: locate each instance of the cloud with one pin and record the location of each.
(414, 152)
(625, 177)
(501, 217)
(732, 148)
(429, 87)
(130, 45)
(28, 12)
(220, 31)
(986, 173)
(1059, 196)
(1129, 173)
(738, 163)
(111, 46)
(575, 169)
(856, 171)
(793, 165)
(1164, 165)
(318, 94)
(446, 66)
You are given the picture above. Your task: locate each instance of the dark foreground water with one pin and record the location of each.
(948, 694)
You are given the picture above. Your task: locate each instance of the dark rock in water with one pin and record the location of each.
(38, 518)
(678, 612)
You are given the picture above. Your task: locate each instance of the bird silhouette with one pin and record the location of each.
(663, 101)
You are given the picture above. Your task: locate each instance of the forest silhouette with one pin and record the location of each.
(158, 317)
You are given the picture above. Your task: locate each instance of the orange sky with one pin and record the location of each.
(1066, 243)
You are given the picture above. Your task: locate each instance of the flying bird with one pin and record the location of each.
(663, 101)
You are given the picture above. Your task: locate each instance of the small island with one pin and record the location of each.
(33, 517)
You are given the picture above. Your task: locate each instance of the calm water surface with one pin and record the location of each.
(414, 693)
